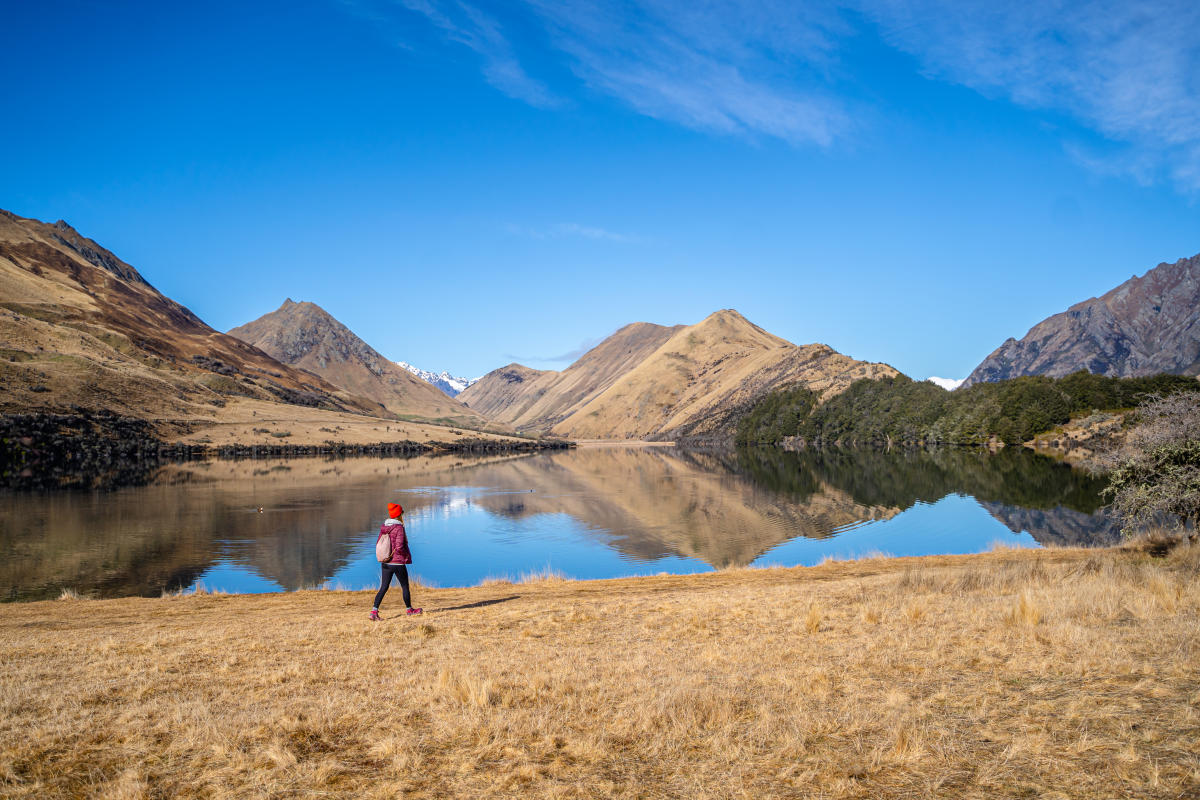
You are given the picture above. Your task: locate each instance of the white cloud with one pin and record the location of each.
(724, 67)
(1128, 71)
(569, 356)
(569, 229)
(949, 384)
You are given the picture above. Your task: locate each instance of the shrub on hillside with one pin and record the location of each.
(1156, 472)
(776, 416)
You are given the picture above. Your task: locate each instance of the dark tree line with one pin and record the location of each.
(900, 410)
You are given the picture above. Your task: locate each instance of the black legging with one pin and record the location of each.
(401, 572)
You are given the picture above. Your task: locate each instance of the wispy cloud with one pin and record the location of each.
(467, 25)
(592, 232)
(749, 70)
(572, 229)
(561, 358)
(725, 67)
(1129, 71)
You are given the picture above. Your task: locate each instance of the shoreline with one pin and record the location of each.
(551, 575)
(102, 450)
(621, 443)
(866, 565)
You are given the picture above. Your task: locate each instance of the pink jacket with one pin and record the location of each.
(395, 529)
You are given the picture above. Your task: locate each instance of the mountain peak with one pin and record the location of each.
(728, 317)
(450, 384)
(144, 354)
(303, 305)
(728, 325)
(1144, 326)
(307, 336)
(62, 233)
(295, 330)
(650, 380)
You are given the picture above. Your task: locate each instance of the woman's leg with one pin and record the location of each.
(402, 574)
(384, 582)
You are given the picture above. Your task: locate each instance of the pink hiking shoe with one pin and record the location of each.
(374, 615)
(412, 611)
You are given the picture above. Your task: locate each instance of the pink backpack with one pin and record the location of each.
(383, 547)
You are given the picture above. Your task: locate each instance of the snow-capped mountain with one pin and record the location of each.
(949, 384)
(442, 380)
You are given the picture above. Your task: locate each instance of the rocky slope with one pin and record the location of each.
(649, 381)
(82, 330)
(1145, 326)
(304, 335)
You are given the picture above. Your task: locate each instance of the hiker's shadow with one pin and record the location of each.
(480, 604)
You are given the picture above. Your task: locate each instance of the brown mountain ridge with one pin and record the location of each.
(654, 382)
(1145, 326)
(306, 336)
(81, 329)
(539, 399)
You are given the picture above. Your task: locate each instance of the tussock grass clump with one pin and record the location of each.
(546, 574)
(1026, 611)
(1015, 673)
(812, 622)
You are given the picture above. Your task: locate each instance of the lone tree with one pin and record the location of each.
(1156, 472)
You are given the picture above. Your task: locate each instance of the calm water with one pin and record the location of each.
(587, 513)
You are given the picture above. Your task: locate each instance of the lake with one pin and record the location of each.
(592, 512)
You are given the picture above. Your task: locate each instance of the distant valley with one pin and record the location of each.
(443, 380)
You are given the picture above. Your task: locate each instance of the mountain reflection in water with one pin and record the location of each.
(605, 511)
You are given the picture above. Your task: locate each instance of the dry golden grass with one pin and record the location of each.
(1047, 673)
(249, 421)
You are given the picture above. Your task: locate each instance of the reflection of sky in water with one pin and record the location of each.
(954, 524)
(455, 541)
(230, 577)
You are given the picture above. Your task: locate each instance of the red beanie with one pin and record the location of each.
(395, 510)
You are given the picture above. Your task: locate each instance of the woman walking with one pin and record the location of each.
(394, 559)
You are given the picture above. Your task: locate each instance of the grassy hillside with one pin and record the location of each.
(82, 329)
(306, 336)
(1054, 673)
(703, 375)
(505, 394)
(653, 382)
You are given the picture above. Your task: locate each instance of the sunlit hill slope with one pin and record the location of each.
(653, 382)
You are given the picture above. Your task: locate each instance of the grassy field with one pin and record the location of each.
(1050, 673)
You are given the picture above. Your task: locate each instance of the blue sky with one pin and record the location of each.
(467, 184)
